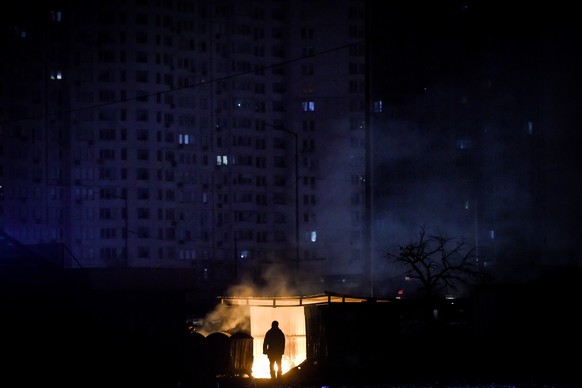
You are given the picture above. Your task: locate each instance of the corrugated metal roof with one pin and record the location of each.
(299, 300)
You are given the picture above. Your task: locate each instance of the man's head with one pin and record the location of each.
(275, 324)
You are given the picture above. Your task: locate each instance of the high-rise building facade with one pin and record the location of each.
(220, 136)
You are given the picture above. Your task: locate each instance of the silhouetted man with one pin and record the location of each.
(274, 347)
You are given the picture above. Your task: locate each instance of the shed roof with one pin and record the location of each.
(298, 300)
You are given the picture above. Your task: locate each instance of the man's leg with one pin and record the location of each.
(279, 367)
(272, 367)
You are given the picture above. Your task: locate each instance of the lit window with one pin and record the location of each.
(308, 106)
(56, 75)
(183, 138)
(313, 236)
(378, 106)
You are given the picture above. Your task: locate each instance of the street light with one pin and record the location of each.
(281, 128)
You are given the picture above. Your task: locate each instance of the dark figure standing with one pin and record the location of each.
(274, 347)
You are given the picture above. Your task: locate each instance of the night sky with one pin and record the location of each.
(509, 65)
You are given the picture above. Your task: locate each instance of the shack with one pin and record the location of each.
(326, 333)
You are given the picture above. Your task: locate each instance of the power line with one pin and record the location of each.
(227, 77)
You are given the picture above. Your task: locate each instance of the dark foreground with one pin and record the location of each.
(290, 383)
(103, 338)
(401, 376)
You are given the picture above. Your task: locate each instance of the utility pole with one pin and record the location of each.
(126, 231)
(368, 175)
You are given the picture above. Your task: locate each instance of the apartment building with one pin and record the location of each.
(221, 136)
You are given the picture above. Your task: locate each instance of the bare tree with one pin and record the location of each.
(438, 263)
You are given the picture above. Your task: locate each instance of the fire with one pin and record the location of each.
(261, 366)
(292, 322)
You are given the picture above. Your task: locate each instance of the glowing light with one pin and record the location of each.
(292, 322)
(261, 366)
(290, 312)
